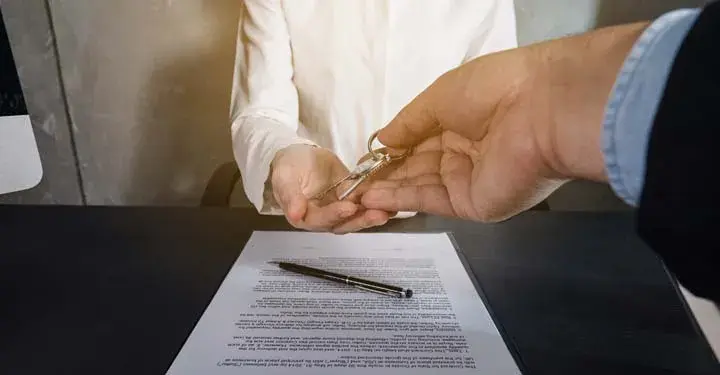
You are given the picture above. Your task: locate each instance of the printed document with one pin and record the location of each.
(265, 320)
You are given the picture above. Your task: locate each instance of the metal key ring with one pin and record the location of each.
(376, 155)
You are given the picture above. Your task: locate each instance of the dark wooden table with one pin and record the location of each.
(97, 290)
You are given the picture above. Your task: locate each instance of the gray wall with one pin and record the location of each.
(147, 84)
(32, 41)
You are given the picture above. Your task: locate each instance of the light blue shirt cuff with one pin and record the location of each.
(634, 100)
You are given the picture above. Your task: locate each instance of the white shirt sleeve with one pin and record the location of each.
(497, 32)
(264, 106)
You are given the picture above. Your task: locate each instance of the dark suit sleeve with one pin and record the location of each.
(679, 209)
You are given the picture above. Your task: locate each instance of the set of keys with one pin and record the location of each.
(376, 162)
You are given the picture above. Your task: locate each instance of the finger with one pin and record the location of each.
(355, 195)
(428, 156)
(297, 208)
(454, 142)
(325, 217)
(463, 100)
(382, 150)
(432, 199)
(292, 201)
(456, 175)
(363, 220)
(416, 165)
(429, 179)
(433, 143)
(379, 175)
(416, 170)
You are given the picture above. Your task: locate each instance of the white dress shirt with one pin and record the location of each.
(331, 72)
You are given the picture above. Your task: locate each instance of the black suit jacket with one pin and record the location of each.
(679, 210)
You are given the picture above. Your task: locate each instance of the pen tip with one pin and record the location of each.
(273, 262)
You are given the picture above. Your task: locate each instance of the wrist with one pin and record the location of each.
(581, 73)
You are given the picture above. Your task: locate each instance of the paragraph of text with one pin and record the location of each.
(448, 344)
(444, 362)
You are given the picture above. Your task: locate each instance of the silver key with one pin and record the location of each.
(360, 173)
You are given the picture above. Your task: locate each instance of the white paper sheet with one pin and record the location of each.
(264, 320)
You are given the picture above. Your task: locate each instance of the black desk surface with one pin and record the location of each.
(117, 290)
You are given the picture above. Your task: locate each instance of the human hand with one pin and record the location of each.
(300, 171)
(499, 134)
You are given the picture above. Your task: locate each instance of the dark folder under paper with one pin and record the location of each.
(370, 286)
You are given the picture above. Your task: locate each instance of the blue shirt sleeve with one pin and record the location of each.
(633, 102)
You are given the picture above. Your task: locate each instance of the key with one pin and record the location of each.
(381, 160)
(377, 159)
(377, 165)
(360, 173)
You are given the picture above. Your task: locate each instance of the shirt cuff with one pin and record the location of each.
(638, 89)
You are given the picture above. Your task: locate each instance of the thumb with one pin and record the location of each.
(296, 208)
(414, 123)
(292, 201)
(461, 100)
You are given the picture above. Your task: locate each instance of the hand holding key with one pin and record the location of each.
(301, 171)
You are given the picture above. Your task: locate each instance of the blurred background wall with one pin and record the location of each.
(130, 98)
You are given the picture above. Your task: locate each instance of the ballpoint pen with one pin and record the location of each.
(370, 286)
